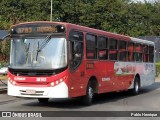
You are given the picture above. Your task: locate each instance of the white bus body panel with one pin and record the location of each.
(59, 91)
(146, 71)
(148, 76)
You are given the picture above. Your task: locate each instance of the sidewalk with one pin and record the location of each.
(157, 79)
(3, 83)
(3, 86)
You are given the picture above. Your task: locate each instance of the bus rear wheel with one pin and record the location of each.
(87, 99)
(136, 88)
(43, 100)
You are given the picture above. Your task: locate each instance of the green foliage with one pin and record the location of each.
(157, 69)
(3, 63)
(118, 16)
(6, 50)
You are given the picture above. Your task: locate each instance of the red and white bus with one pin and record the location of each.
(63, 60)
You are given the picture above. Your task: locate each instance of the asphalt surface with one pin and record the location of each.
(147, 100)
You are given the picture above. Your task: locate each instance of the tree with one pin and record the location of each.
(118, 16)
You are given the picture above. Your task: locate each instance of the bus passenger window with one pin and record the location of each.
(145, 58)
(151, 57)
(103, 54)
(138, 52)
(91, 50)
(103, 48)
(138, 47)
(145, 53)
(112, 44)
(138, 57)
(151, 53)
(130, 56)
(151, 49)
(122, 55)
(130, 48)
(112, 49)
(113, 54)
(145, 49)
(122, 50)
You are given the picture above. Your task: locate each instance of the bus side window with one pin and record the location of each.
(130, 49)
(103, 48)
(138, 52)
(113, 49)
(145, 53)
(151, 54)
(91, 47)
(76, 48)
(122, 50)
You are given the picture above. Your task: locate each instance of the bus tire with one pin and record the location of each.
(136, 88)
(87, 99)
(43, 100)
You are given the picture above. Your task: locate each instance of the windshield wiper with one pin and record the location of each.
(44, 43)
(27, 50)
(37, 51)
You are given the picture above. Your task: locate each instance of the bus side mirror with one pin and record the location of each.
(75, 37)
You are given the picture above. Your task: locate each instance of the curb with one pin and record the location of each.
(3, 90)
(3, 86)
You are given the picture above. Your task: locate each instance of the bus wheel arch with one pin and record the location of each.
(91, 89)
(94, 84)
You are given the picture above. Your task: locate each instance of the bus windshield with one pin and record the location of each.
(38, 53)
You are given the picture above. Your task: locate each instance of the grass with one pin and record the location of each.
(157, 69)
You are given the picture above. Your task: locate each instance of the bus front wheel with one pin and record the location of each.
(87, 99)
(43, 100)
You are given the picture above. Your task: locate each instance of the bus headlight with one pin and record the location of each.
(52, 84)
(57, 82)
(14, 83)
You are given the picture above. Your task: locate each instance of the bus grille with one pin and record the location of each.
(35, 73)
(28, 73)
(33, 83)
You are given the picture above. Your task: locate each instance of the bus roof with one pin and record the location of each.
(92, 30)
(142, 41)
(78, 27)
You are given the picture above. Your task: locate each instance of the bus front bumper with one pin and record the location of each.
(59, 91)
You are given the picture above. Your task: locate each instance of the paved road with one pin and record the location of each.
(147, 100)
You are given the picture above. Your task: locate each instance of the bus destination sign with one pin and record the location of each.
(37, 29)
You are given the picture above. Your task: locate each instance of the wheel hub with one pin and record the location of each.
(90, 92)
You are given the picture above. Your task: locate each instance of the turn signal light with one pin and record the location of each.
(52, 84)
(12, 82)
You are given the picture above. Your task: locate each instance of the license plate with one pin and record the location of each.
(30, 92)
